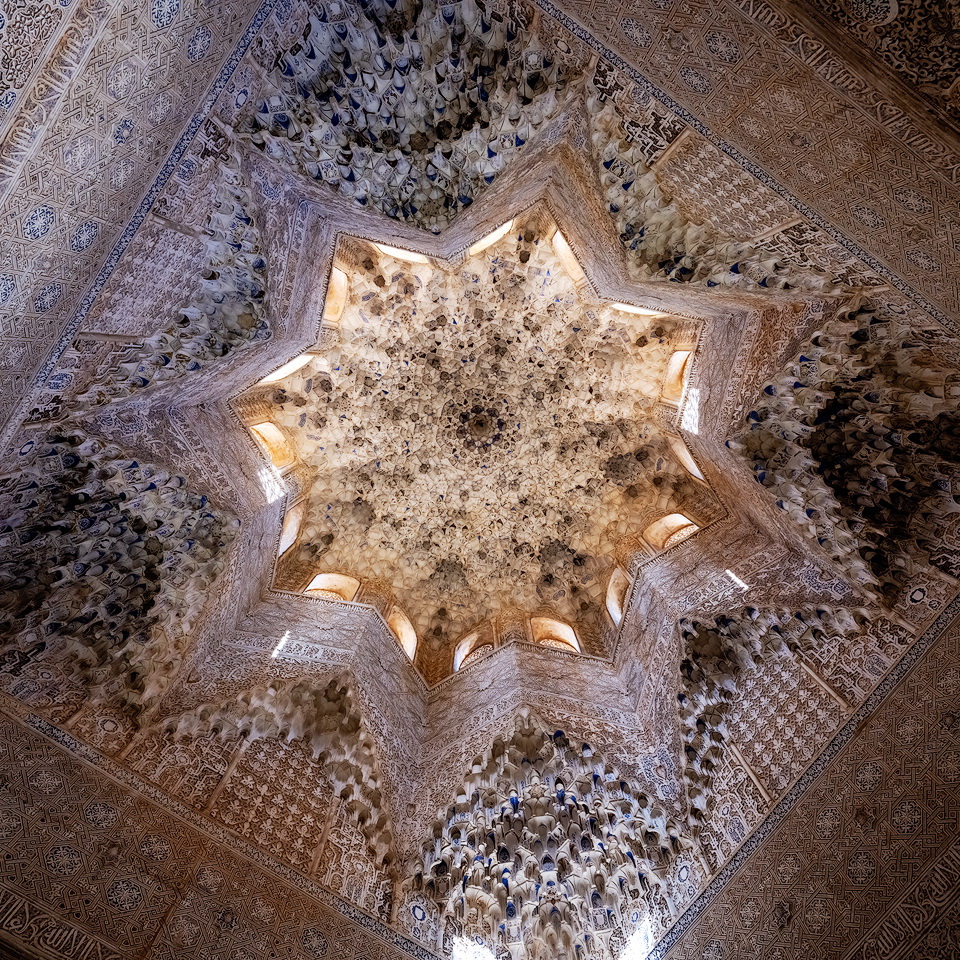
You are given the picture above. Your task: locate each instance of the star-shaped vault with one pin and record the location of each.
(481, 439)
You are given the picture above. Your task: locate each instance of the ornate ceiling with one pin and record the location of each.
(479, 481)
(457, 451)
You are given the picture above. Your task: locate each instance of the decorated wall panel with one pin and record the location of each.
(916, 41)
(874, 817)
(123, 876)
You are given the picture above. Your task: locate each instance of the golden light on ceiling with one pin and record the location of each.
(617, 587)
(409, 256)
(554, 633)
(272, 438)
(292, 367)
(404, 631)
(490, 239)
(669, 530)
(676, 377)
(291, 527)
(478, 405)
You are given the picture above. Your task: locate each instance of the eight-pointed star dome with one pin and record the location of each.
(539, 804)
(480, 433)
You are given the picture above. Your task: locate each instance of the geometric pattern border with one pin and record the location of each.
(790, 799)
(222, 835)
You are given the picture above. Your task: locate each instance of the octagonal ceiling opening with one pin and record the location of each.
(481, 440)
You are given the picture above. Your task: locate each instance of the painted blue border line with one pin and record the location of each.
(815, 218)
(156, 188)
(790, 799)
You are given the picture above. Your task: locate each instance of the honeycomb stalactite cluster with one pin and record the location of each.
(328, 719)
(437, 388)
(228, 315)
(410, 108)
(106, 565)
(660, 241)
(718, 654)
(546, 848)
(857, 441)
(414, 108)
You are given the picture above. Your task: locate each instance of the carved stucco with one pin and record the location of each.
(207, 820)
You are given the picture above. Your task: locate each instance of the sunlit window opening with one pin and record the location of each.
(399, 254)
(291, 527)
(474, 645)
(554, 633)
(491, 238)
(685, 457)
(641, 942)
(669, 530)
(466, 949)
(639, 311)
(402, 628)
(675, 379)
(336, 586)
(568, 259)
(480, 650)
(337, 290)
(292, 367)
(274, 442)
(464, 649)
(617, 588)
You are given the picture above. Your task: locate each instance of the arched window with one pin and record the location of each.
(337, 586)
(336, 300)
(669, 530)
(675, 379)
(290, 528)
(292, 367)
(568, 259)
(398, 253)
(490, 239)
(639, 311)
(478, 651)
(554, 633)
(475, 644)
(684, 456)
(402, 628)
(274, 442)
(617, 588)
